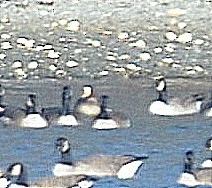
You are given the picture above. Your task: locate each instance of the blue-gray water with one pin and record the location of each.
(164, 140)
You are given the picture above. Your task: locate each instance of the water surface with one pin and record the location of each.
(163, 139)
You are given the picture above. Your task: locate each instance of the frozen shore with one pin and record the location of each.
(92, 39)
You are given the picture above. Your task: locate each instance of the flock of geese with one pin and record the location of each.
(83, 173)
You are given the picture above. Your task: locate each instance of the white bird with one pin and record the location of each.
(194, 177)
(174, 106)
(121, 166)
(88, 104)
(208, 163)
(33, 119)
(108, 119)
(62, 115)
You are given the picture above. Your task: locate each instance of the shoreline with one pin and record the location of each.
(128, 39)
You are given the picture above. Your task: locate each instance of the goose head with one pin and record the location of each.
(63, 145)
(31, 104)
(66, 97)
(208, 144)
(87, 91)
(160, 83)
(17, 171)
(104, 114)
(188, 162)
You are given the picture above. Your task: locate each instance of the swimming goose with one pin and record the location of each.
(88, 103)
(15, 177)
(33, 119)
(62, 115)
(109, 119)
(67, 118)
(121, 166)
(9, 115)
(174, 106)
(208, 163)
(194, 177)
(74, 181)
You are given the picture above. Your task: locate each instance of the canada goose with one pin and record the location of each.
(109, 120)
(33, 119)
(77, 181)
(88, 104)
(174, 106)
(194, 177)
(9, 115)
(62, 115)
(15, 177)
(121, 166)
(67, 118)
(208, 163)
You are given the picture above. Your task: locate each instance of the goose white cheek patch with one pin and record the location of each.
(1, 109)
(161, 86)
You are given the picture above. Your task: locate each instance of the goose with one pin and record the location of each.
(88, 104)
(9, 115)
(194, 177)
(208, 163)
(74, 181)
(67, 118)
(62, 115)
(121, 166)
(33, 119)
(174, 106)
(15, 177)
(109, 120)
